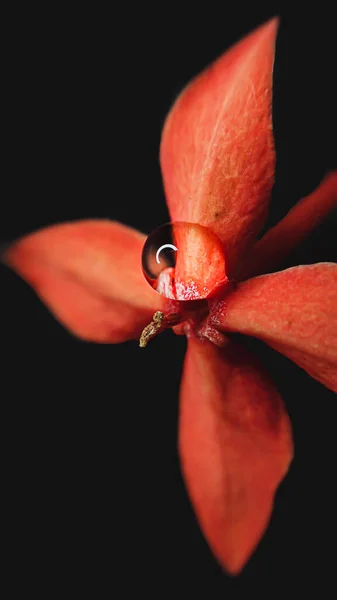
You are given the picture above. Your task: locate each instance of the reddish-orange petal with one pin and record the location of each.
(235, 444)
(294, 311)
(89, 275)
(217, 152)
(301, 220)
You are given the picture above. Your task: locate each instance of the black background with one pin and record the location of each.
(91, 476)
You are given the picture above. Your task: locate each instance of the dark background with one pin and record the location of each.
(91, 476)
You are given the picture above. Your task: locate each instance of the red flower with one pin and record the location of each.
(218, 164)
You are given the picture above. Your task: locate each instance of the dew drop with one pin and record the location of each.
(159, 252)
(184, 261)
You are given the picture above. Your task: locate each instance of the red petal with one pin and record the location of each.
(235, 445)
(89, 275)
(296, 225)
(217, 152)
(294, 311)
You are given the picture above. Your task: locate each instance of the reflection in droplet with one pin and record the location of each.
(159, 252)
(163, 247)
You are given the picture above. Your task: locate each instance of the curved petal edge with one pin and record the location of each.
(89, 275)
(300, 221)
(294, 311)
(235, 444)
(217, 149)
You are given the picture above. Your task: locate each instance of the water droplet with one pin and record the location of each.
(184, 261)
(159, 252)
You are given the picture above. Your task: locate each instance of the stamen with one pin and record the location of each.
(158, 324)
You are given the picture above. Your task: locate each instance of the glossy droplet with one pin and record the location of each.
(159, 252)
(184, 261)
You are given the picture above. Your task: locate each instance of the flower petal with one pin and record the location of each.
(89, 275)
(294, 311)
(235, 444)
(300, 221)
(217, 153)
